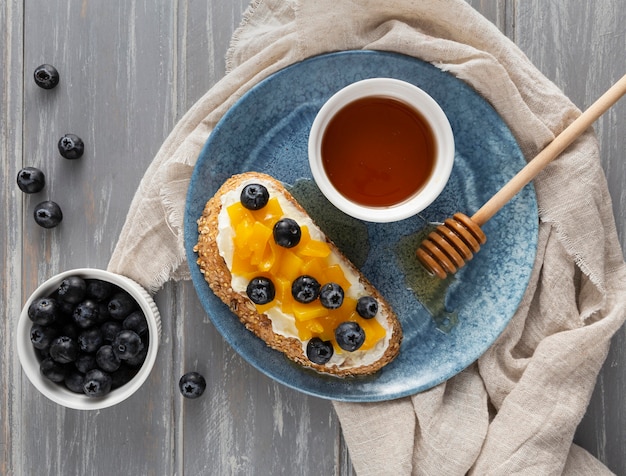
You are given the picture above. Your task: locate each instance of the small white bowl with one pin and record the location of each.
(412, 96)
(58, 393)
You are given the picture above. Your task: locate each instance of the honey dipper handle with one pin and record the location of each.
(560, 143)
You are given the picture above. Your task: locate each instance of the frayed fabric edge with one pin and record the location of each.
(164, 276)
(578, 261)
(234, 40)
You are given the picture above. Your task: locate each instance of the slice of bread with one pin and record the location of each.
(277, 322)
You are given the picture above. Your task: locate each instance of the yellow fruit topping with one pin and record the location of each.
(256, 253)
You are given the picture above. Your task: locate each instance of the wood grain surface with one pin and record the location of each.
(129, 70)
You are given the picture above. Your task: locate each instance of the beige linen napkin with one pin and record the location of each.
(516, 409)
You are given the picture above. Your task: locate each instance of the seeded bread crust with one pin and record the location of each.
(218, 276)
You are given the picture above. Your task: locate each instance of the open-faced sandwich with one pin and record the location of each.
(263, 256)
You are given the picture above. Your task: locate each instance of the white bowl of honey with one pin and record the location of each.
(381, 150)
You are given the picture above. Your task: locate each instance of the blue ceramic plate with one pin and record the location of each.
(447, 325)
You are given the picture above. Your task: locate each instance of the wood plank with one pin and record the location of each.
(496, 11)
(204, 32)
(11, 96)
(580, 46)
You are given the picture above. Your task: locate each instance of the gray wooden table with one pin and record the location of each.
(130, 69)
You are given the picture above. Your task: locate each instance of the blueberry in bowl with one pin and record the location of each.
(75, 352)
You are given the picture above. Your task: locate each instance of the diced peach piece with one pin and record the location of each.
(314, 326)
(315, 267)
(305, 237)
(261, 308)
(270, 213)
(347, 309)
(258, 239)
(290, 266)
(304, 330)
(315, 248)
(312, 310)
(242, 237)
(309, 329)
(260, 233)
(330, 323)
(373, 331)
(338, 350)
(347, 312)
(327, 334)
(283, 293)
(238, 213)
(335, 274)
(268, 259)
(241, 265)
(272, 257)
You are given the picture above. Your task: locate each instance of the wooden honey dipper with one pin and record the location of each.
(451, 244)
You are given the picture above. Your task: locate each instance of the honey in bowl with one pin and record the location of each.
(378, 151)
(381, 150)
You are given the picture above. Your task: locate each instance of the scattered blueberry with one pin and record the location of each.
(121, 305)
(136, 321)
(106, 359)
(97, 383)
(42, 336)
(192, 385)
(72, 289)
(261, 290)
(71, 146)
(74, 381)
(31, 180)
(305, 289)
(86, 314)
(331, 295)
(367, 307)
(127, 344)
(319, 351)
(287, 233)
(43, 311)
(90, 340)
(48, 214)
(254, 196)
(46, 76)
(64, 349)
(349, 336)
(52, 370)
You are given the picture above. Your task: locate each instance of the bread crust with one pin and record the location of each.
(218, 276)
